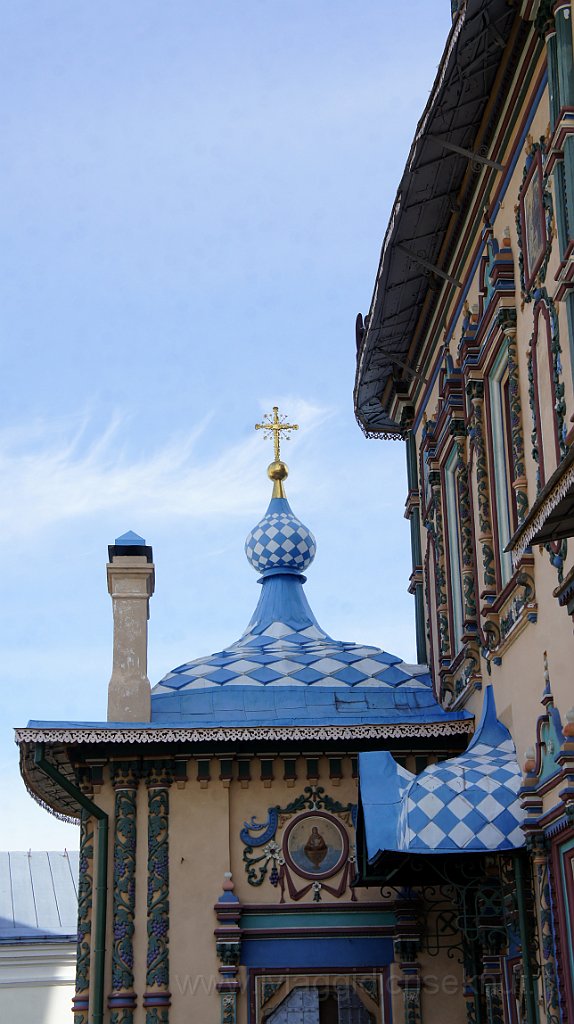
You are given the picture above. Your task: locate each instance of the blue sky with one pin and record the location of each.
(194, 198)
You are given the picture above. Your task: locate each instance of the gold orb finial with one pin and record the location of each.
(277, 472)
(273, 424)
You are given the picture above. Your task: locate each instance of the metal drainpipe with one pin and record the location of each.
(101, 885)
(529, 980)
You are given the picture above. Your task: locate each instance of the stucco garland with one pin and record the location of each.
(475, 392)
(434, 525)
(466, 533)
(122, 1001)
(519, 481)
(157, 997)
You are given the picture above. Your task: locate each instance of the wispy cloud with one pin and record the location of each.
(52, 474)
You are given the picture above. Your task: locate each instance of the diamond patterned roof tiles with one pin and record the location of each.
(280, 541)
(284, 650)
(469, 802)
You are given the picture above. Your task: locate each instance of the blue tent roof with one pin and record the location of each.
(469, 802)
(286, 669)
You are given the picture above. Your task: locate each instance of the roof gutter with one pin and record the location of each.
(101, 872)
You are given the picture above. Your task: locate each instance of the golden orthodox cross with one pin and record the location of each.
(273, 425)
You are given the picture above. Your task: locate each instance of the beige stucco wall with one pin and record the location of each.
(205, 822)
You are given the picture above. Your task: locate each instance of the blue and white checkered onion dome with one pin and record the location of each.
(280, 542)
(469, 802)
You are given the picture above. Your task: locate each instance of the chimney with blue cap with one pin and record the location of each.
(131, 581)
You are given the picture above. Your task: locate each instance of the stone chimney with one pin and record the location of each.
(131, 581)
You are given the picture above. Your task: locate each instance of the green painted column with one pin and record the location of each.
(565, 76)
(561, 85)
(564, 50)
(122, 999)
(517, 465)
(475, 394)
(526, 942)
(157, 997)
(559, 178)
(416, 548)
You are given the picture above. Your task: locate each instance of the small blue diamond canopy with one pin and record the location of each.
(467, 803)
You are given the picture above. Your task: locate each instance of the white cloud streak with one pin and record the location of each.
(53, 476)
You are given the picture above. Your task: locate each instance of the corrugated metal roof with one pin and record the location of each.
(38, 895)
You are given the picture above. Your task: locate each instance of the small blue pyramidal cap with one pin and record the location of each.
(129, 539)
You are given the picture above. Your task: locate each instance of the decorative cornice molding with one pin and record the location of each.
(559, 491)
(394, 730)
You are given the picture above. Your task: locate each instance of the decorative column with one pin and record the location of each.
(412, 513)
(437, 531)
(458, 431)
(81, 1000)
(493, 989)
(538, 845)
(524, 906)
(565, 67)
(406, 946)
(228, 948)
(519, 484)
(157, 997)
(122, 1001)
(471, 997)
(554, 24)
(475, 393)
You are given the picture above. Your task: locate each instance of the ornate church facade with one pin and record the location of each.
(304, 830)
(467, 354)
(219, 809)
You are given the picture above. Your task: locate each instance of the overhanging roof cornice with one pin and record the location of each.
(551, 517)
(60, 739)
(414, 261)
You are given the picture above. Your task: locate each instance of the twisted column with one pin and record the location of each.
(466, 533)
(519, 483)
(493, 989)
(541, 862)
(436, 527)
(406, 947)
(122, 1000)
(157, 997)
(475, 392)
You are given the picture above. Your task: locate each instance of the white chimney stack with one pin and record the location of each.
(131, 582)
